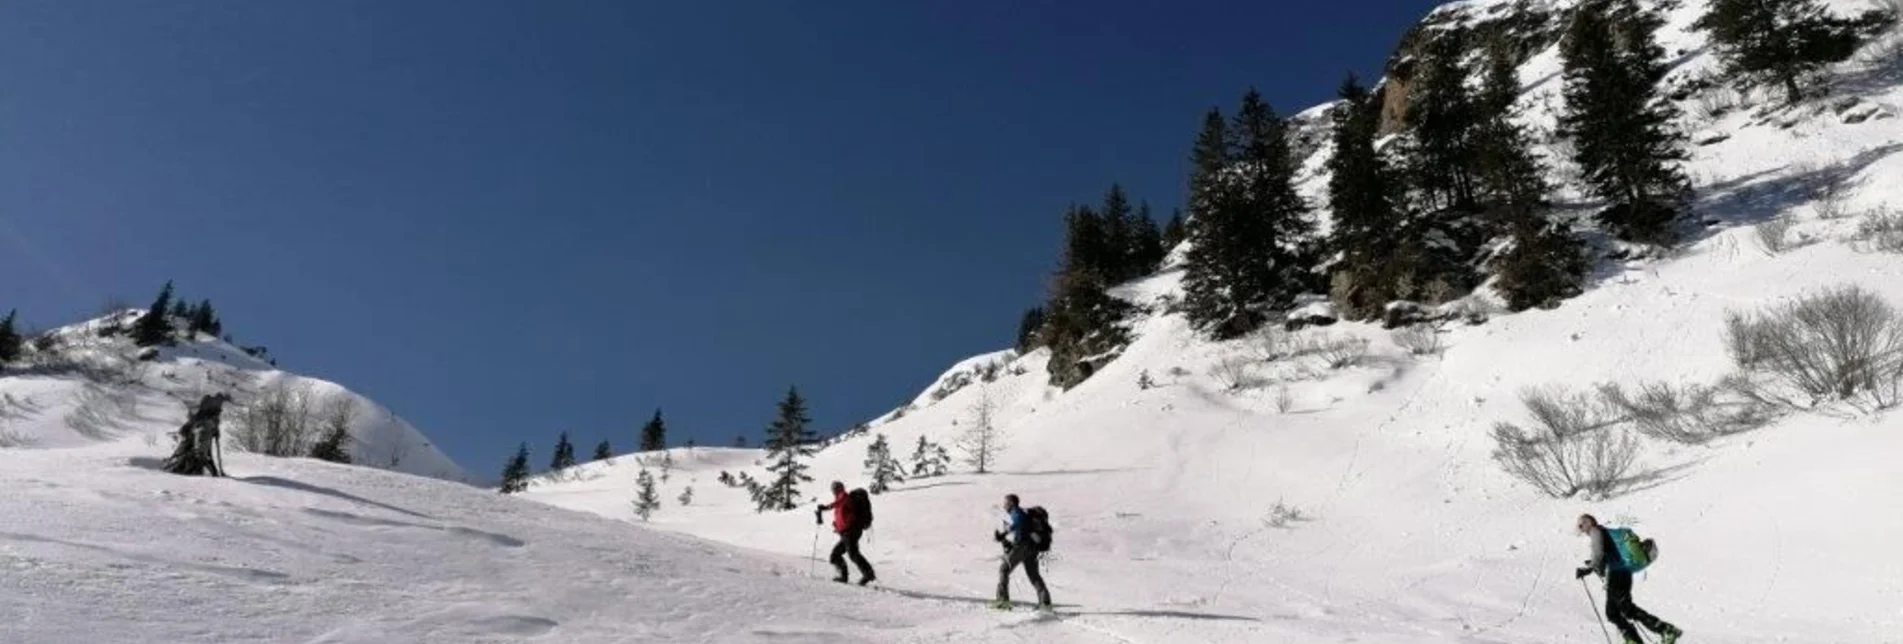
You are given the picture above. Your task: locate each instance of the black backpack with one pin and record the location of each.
(861, 508)
(1040, 527)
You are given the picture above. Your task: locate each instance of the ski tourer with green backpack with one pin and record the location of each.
(1616, 554)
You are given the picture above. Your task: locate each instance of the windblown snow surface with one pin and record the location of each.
(1403, 528)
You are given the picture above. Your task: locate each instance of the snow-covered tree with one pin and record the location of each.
(687, 496)
(881, 467)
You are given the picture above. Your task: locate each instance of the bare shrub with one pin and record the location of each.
(1284, 400)
(10, 438)
(101, 411)
(1574, 447)
(1272, 343)
(1845, 344)
(982, 442)
(1830, 198)
(1341, 352)
(1690, 414)
(1881, 231)
(1717, 101)
(1232, 372)
(1774, 235)
(1417, 339)
(279, 421)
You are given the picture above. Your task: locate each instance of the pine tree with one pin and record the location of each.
(334, 447)
(881, 467)
(564, 455)
(1442, 124)
(1623, 135)
(1174, 232)
(982, 441)
(1146, 251)
(154, 328)
(10, 340)
(1778, 41)
(515, 475)
(1117, 216)
(1246, 222)
(1030, 328)
(1361, 191)
(687, 496)
(667, 466)
(1545, 262)
(654, 434)
(646, 498)
(181, 310)
(603, 451)
(929, 459)
(788, 443)
(203, 319)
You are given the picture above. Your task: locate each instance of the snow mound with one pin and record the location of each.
(88, 383)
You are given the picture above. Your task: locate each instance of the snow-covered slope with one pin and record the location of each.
(87, 383)
(1361, 504)
(96, 546)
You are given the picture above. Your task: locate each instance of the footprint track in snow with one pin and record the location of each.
(502, 540)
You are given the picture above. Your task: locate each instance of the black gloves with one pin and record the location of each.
(1581, 573)
(997, 536)
(819, 517)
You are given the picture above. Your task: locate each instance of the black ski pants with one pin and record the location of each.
(1622, 612)
(1025, 555)
(848, 546)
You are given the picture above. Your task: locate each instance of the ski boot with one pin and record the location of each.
(1001, 604)
(1671, 635)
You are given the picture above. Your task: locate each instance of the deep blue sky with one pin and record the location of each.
(509, 219)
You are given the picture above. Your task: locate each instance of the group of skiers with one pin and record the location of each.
(1025, 536)
(1616, 553)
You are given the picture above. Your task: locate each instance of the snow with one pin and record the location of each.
(111, 395)
(95, 546)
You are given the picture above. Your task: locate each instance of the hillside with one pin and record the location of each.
(87, 383)
(303, 551)
(1250, 495)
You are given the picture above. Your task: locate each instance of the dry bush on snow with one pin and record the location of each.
(282, 420)
(1690, 414)
(101, 410)
(1831, 199)
(1232, 372)
(1417, 339)
(1845, 344)
(1341, 352)
(1282, 516)
(1774, 235)
(1881, 231)
(1573, 448)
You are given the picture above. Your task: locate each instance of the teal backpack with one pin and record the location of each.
(1634, 553)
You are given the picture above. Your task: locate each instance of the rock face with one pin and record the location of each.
(1525, 28)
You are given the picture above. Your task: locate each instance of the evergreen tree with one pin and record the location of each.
(515, 475)
(181, 310)
(1087, 247)
(881, 467)
(1117, 263)
(1441, 119)
(1545, 262)
(334, 447)
(1029, 329)
(646, 498)
(1146, 251)
(564, 455)
(1779, 41)
(929, 459)
(203, 319)
(1247, 223)
(654, 434)
(1083, 324)
(788, 443)
(154, 328)
(10, 340)
(1174, 232)
(1365, 239)
(1623, 135)
(603, 451)
(687, 496)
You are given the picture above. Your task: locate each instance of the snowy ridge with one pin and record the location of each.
(1243, 499)
(89, 385)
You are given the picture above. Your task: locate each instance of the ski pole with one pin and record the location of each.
(1594, 605)
(812, 561)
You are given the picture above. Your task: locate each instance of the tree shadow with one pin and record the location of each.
(288, 484)
(1760, 196)
(1653, 478)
